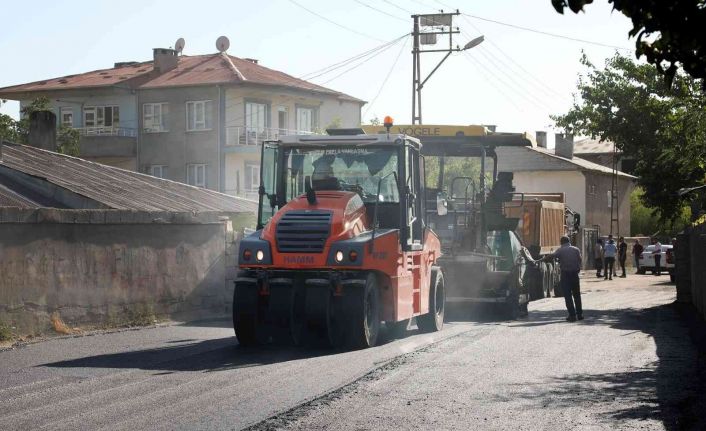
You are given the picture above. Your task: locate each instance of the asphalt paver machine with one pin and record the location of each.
(483, 258)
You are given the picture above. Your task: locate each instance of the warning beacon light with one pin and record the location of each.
(387, 122)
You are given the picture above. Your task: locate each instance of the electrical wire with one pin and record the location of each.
(358, 65)
(476, 64)
(546, 33)
(398, 7)
(504, 83)
(330, 68)
(381, 11)
(335, 23)
(389, 72)
(517, 86)
(533, 30)
(370, 54)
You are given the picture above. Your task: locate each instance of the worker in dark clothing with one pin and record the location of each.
(570, 264)
(622, 254)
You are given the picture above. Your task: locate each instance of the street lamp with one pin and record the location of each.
(475, 42)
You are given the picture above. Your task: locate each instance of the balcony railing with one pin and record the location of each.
(257, 135)
(107, 131)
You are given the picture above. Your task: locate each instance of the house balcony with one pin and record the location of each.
(101, 141)
(254, 136)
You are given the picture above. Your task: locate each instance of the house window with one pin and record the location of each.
(282, 119)
(158, 171)
(154, 117)
(198, 115)
(592, 190)
(67, 116)
(101, 116)
(306, 120)
(196, 175)
(252, 177)
(256, 117)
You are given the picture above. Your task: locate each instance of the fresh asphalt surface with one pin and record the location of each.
(632, 364)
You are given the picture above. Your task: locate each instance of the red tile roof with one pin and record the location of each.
(96, 78)
(207, 69)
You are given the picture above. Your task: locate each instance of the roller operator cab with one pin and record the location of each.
(341, 244)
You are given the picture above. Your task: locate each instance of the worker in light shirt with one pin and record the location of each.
(610, 251)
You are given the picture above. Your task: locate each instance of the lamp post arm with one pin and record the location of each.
(434, 70)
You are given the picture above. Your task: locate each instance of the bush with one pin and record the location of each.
(5, 332)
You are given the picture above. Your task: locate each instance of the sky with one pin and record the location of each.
(515, 79)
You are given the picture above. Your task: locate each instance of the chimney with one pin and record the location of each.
(541, 138)
(165, 59)
(42, 130)
(564, 145)
(251, 60)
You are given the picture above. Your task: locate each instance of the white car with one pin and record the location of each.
(647, 260)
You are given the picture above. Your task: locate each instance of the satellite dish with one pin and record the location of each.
(222, 44)
(179, 45)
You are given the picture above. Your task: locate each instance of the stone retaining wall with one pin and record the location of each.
(110, 267)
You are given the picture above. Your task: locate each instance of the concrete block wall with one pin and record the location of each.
(108, 267)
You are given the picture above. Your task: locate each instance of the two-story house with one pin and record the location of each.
(195, 119)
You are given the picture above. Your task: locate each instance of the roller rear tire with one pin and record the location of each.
(433, 321)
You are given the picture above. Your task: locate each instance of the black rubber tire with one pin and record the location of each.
(286, 314)
(433, 321)
(363, 310)
(524, 311)
(556, 281)
(672, 277)
(323, 316)
(545, 277)
(246, 320)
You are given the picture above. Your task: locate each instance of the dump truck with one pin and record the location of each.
(341, 245)
(542, 222)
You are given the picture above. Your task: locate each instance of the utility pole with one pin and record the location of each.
(614, 202)
(425, 30)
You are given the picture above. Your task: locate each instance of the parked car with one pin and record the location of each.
(666, 264)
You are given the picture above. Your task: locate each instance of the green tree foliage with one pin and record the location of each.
(662, 127)
(18, 131)
(644, 222)
(669, 33)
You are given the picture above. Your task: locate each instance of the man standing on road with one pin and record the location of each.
(570, 263)
(610, 251)
(636, 253)
(622, 254)
(657, 254)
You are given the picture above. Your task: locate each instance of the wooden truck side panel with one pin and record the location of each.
(541, 223)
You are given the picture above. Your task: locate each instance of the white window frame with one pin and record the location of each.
(313, 112)
(157, 170)
(256, 114)
(193, 178)
(66, 110)
(98, 112)
(153, 122)
(252, 170)
(199, 125)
